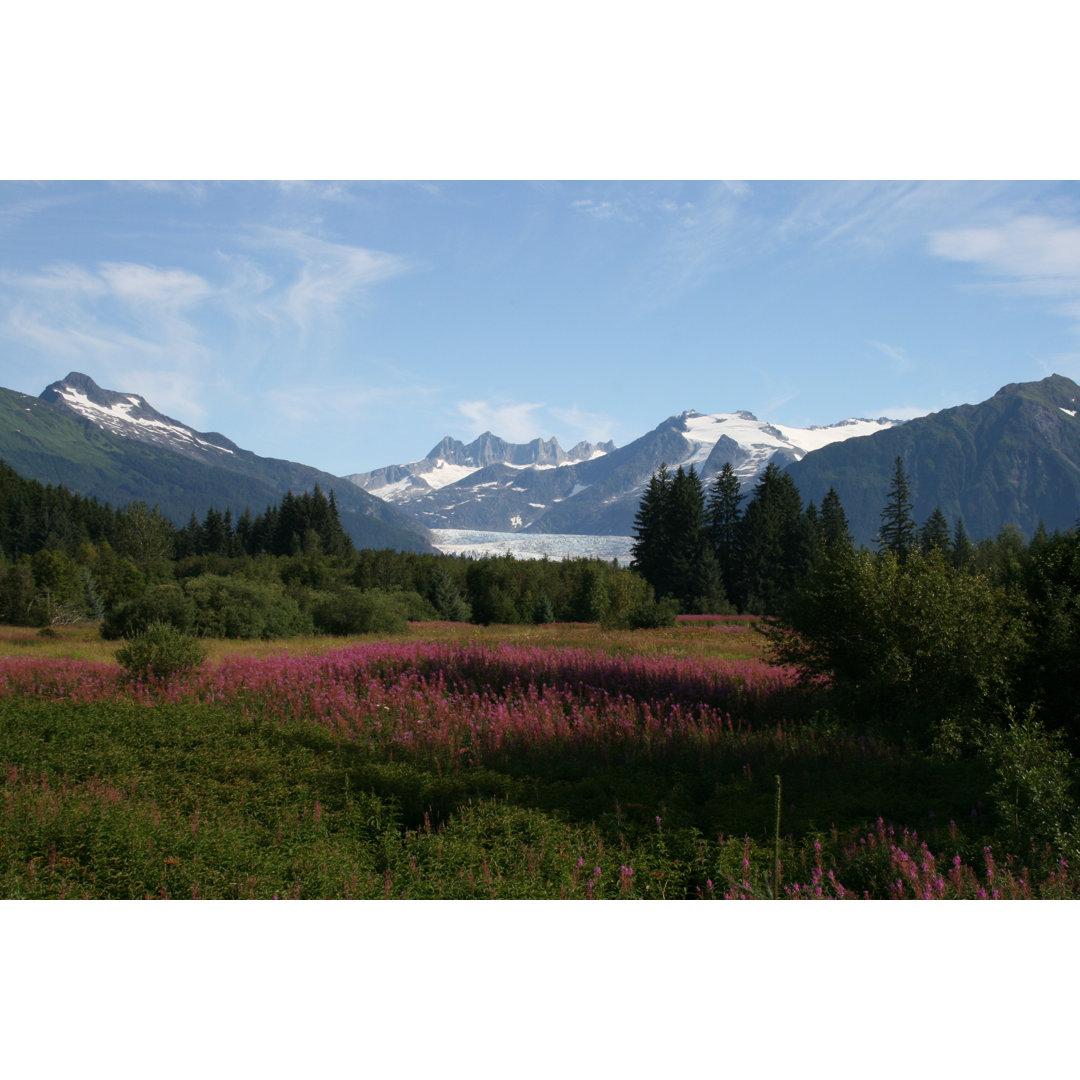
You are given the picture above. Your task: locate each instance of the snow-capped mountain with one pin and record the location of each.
(132, 416)
(593, 490)
(452, 461)
(118, 448)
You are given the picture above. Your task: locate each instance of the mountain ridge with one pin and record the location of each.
(597, 494)
(1013, 459)
(116, 448)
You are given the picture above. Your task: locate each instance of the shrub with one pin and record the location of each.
(360, 611)
(650, 614)
(1031, 782)
(910, 642)
(161, 650)
(238, 608)
(161, 604)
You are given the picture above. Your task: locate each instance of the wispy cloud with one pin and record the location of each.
(699, 238)
(578, 424)
(327, 190)
(329, 274)
(1031, 254)
(513, 421)
(897, 356)
(103, 310)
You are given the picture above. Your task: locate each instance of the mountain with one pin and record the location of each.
(1013, 459)
(452, 461)
(593, 490)
(119, 449)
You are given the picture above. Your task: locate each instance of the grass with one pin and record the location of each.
(83, 642)
(468, 762)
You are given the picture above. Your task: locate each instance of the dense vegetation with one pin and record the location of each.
(474, 768)
(288, 570)
(967, 651)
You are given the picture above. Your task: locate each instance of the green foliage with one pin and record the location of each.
(1031, 782)
(238, 608)
(897, 532)
(162, 651)
(908, 643)
(159, 604)
(361, 611)
(722, 516)
(650, 614)
(446, 598)
(776, 544)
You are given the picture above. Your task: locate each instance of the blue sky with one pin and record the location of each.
(353, 325)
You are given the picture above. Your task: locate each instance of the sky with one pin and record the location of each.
(351, 325)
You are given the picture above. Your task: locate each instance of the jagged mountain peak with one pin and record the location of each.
(451, 461)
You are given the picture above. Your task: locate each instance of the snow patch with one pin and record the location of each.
(118, 417)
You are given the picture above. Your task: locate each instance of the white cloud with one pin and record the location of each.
(328, 190)
(1032, 248)
(116, 321)
(1032, 254)
(513, 421)
(147, 285)
(330, 273)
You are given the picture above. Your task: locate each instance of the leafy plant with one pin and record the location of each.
(162, 651)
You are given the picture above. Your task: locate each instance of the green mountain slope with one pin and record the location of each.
(1011, 460)
(47, 442)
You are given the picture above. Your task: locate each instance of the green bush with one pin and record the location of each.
(239, 608)
(1032, 782)
(650, 614)
(161, 604)
(360, 611)
(912, 643)
(161, 650)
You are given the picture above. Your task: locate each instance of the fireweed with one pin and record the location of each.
(463, 706)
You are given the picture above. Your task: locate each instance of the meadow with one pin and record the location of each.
(467, 762)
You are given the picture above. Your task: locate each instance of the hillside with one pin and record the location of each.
(1011, 460)
(50, 441)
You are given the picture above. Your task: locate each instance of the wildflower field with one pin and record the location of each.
(464, 762)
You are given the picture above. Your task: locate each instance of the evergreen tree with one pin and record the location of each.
(685, 522)
(651, 548)
(962, 551)
(775, 543)
(934, 535)
(722, 515)
(835, 533)
(897, 532)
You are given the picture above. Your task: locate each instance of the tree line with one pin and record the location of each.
(291, 569)
(707, 553)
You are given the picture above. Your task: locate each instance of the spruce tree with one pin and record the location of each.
(650, 551)
(722, 515)
(775, 543)
(962, 550)
(897, 532)
(835, 532)
(934, 535)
